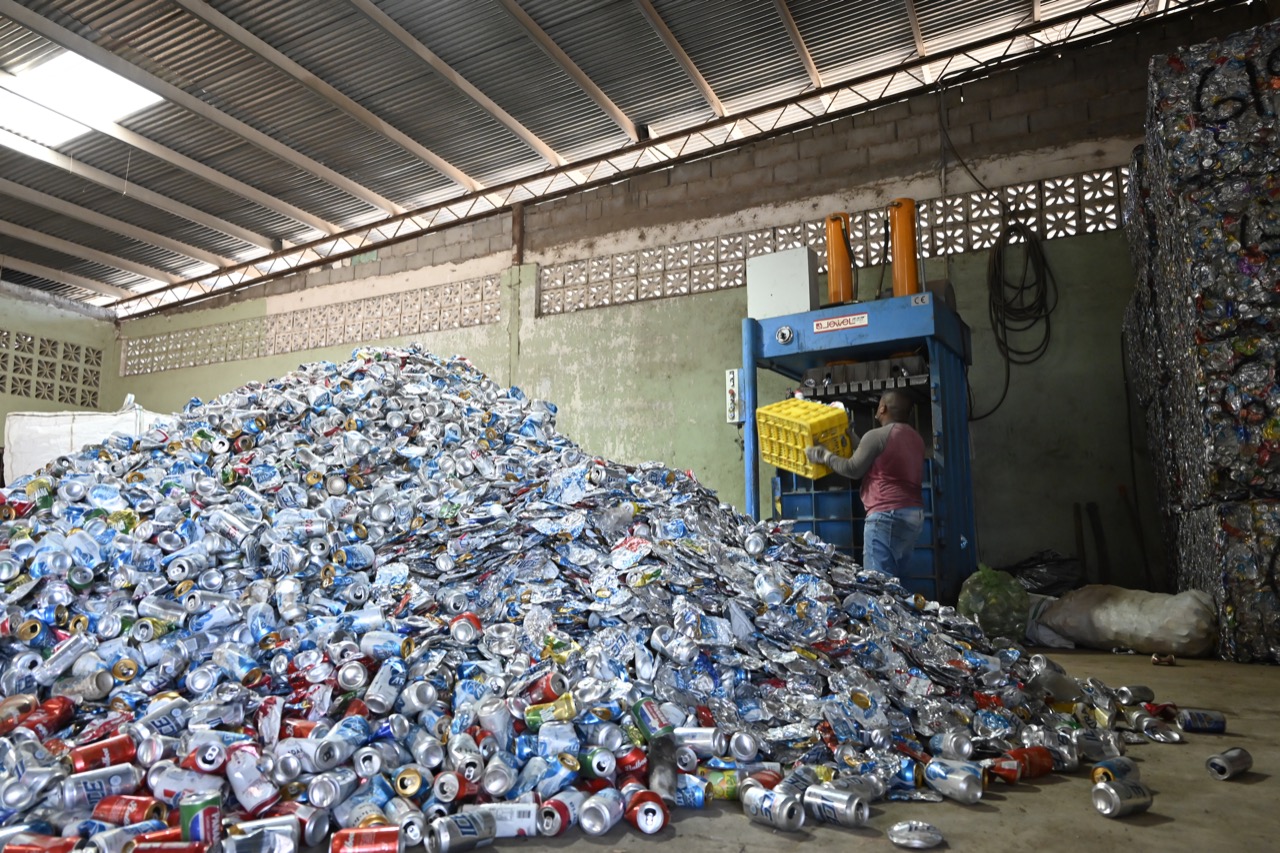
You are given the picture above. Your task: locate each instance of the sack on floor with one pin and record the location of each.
(1107, 617)
(996, 601)
(1040, 634)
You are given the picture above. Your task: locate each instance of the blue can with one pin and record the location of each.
(525, 746)
(558, 776)
(691, 791)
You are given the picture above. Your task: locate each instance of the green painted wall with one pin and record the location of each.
(169, 391)
(1061, 435)
(645, 381)
(40, 319)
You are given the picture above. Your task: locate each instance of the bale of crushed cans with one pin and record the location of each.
(385, 604)
(1201, 331)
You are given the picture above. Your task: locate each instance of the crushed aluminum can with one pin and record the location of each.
(915, 834)
(1119, 797)
(832, 805)
(774, 808)
(1229, 763)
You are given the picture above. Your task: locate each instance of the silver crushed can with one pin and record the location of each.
(797, 780)
(602, 811)
(743, 746)
(512, 820)
(706, 742)
(832, 805)
(461, 832)
(1229, 764)
(560, 812)
(773, 808)
(406, 815)
(1119, 798)
(1135, 694)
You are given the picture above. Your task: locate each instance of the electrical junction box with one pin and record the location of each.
(733, 412)
(782, 283)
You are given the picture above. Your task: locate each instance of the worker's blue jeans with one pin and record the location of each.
(889, 537)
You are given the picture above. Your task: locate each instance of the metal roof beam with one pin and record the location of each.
(40, 271)
(389, 25)
(76, 250)
(45, 154)
(62, 37)
(101, 220)
(548, 45)
(797, 41)
(914, 17)
(346, 104)
(678, 51)
(191, 165)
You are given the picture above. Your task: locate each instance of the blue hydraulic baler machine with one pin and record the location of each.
(854, 352)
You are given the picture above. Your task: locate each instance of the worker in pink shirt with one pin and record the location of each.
(889, 460)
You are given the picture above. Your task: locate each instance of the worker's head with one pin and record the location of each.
(895, 407)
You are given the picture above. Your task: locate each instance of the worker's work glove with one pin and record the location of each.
(818, 454)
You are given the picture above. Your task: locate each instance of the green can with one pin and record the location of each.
(721, 784)
(650, 719)
(201, 815)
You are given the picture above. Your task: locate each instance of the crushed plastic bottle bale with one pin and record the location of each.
(386, 603)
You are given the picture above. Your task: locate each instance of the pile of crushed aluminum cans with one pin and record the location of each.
(1202, 328)
(385, 603)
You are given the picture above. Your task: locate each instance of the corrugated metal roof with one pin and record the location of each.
(615, 46)
(740, 47)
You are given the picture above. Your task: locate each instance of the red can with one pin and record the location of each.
(767, 778)
(1035, 761)
(164, 836)
(356, 708)
(367, 839)
(592, 785)
(124, 809)
(635, 761)
(706, 719)
(114, 750)
(646, 812)
(1006, 769)
(297, 727)
(466, 627)
(546, 689)
(29, 842)
(54, 714)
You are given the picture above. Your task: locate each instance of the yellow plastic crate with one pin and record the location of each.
(788, 427)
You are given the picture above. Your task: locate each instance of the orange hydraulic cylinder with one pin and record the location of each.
(839, 264)
(902, 236)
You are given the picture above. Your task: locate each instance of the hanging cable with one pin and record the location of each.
(1019, 306)
(1014, 307)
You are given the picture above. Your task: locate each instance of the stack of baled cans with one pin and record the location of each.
(1201, 331)
(384, 604)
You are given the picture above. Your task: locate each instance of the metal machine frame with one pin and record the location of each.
(792, 344)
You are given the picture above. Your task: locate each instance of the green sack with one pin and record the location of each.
(996, 601)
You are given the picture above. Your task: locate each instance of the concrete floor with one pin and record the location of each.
(1191, 811)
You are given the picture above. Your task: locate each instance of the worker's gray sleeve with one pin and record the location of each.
(871, 446)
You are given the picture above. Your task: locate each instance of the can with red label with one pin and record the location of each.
(119, 749)
(635, 760)
(124, 809)
(30, 842)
